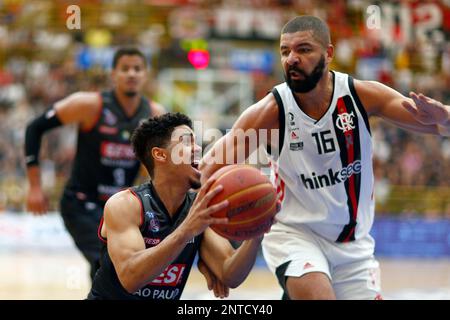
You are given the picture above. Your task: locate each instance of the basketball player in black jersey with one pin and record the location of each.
(104, 161)
(153, 232)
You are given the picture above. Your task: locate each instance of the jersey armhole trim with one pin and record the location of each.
(99, 231)
(281, 120)
(142, 206)
(359, 104)
(97, 116)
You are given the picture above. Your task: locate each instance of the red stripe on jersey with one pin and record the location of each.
(279, 183)
(349, 136)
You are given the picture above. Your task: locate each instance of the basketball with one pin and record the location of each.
(252, 202)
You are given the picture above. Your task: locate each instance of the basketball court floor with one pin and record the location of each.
(64, 275)
(38, 260)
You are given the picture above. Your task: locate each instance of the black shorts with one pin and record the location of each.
(280, 273)
(82, 219)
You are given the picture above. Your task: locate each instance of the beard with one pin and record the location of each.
(310, 81)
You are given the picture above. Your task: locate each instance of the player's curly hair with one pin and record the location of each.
(155, 132)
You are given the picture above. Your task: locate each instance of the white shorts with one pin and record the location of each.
(351, 266)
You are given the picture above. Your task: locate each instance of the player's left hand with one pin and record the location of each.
(426, 110)
(220, 290)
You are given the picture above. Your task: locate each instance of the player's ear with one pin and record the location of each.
(159, 154)
(330, 53)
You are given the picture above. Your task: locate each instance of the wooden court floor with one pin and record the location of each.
(64, 275)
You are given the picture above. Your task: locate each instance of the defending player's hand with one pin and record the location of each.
(426, 110)
(37, 202)
(220, 290)
(200, 216)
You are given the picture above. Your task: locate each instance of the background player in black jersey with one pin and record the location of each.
(104, 162)
(154, 230)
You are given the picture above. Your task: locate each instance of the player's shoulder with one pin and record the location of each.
(156, 108)
(369, 87)
(122, 209)
(267, 101)
(264, 113)
(123, 200)
(87, 98)
(373, 94)
(84, 102)
(264, 109)
(81, 107)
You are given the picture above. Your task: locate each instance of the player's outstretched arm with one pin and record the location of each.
(81, 108)
(418, 113)
(259, 121)
(134, 264)
(429, 111)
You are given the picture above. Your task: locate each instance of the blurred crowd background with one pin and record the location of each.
(213, 58)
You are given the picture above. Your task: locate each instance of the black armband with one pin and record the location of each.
(33, 135)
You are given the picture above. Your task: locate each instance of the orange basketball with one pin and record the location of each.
(252, 202)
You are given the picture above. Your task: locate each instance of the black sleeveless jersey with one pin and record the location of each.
(155, 227)
(105, 163)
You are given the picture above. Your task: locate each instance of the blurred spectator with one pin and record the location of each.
(40, 64)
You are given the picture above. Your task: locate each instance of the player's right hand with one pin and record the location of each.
(37, 202)
(200, 216)
(426, 110)
(220, 290)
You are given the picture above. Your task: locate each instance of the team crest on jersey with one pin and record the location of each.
(154, 223)
(110, 118)
(291, 120)
(344, 121)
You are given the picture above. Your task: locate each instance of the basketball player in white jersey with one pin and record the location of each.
(320, 247)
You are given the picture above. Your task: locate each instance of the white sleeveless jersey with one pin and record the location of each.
(323, 172)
